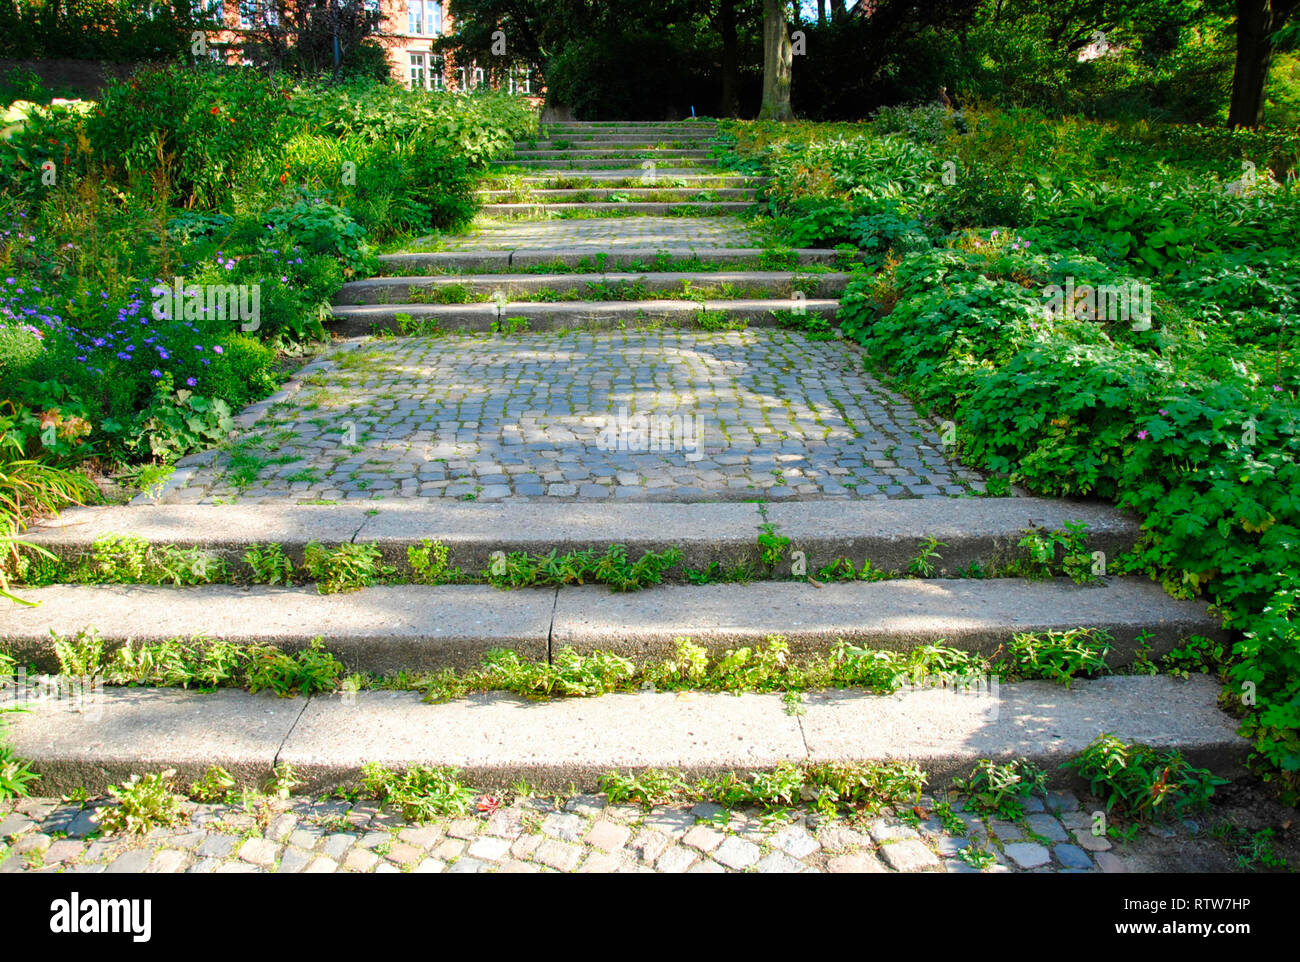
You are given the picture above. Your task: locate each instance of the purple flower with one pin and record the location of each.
(218, 349)
(1142, 435)
(191, 381)
(1163, 412)
(156, 373)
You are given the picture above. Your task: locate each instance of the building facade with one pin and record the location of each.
(407, 30)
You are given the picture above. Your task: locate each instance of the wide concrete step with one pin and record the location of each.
(497, 739)
(561, 142)
(613, 257)
(597, 153)
(630, 178)
(417, 288)
(389, 628)
(667, 166)
(564, 129)
(596, 194)
(889, 533)
(621, 208)
(361, 319)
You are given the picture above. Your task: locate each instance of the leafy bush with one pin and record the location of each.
(1140, 781)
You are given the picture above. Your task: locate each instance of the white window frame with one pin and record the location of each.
(418, 70)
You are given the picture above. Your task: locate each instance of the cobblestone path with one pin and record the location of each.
(758, 413)
(582, 833)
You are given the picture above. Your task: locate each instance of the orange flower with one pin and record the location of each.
(214, 111)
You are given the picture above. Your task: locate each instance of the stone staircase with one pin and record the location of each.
(589, 195)
(529, 246)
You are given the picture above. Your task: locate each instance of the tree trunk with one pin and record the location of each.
(730, 60)
(1256, 21)
(821, 13)
(778, 59)
(838, 12)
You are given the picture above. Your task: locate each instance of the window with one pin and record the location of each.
(521, 80)
(478, 78)
(437, 69)
(254, 14)
(419, 73)
(424, 18)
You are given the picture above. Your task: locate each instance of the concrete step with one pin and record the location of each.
(566, 128)
(620, 208)
(415, 288)
(389, 628)
(598, 153)
(631, 178)
(615, 140)
(889, 533)
(597, 194)
(614, 256)
(361, 319)
(667, 166)
(496, 739)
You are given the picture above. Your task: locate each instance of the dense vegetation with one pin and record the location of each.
(1175, 397)
(215, 177)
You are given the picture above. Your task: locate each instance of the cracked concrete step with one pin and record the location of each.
(611, 256)
(412, 288)
(497, 739)
(389, 628)
(360, 319)
(889, 533)
(666, 194)
(697, 208)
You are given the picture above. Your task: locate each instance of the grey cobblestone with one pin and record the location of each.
(781, 416)
(582, 833)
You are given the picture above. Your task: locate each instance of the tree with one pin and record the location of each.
(1258, 23)
(730, 101)
(778, 63)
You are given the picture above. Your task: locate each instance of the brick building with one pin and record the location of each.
(407, 31)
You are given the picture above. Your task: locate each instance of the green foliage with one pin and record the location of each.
(1002, 789)
(308, 672)
(1054, 655)
(213, 786)
(647, 788)
(1140, 781)
(345, 567)
(142, 803)
(420, 793)
(15, 773)
(269, 564)
(613, 568)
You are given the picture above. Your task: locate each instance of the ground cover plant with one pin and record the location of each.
(1101, 309)
(167, 250)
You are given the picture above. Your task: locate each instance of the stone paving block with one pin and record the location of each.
(909, 855)
(778, 863)
(704, 838)
(259, 851)
(607, 835)
(560, 856)
(1027, 854)
(1071, 856)
(1047, 826)
(736, 853)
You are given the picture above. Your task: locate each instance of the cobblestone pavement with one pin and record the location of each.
(582, 833)
(603, 234)
(539, 416)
